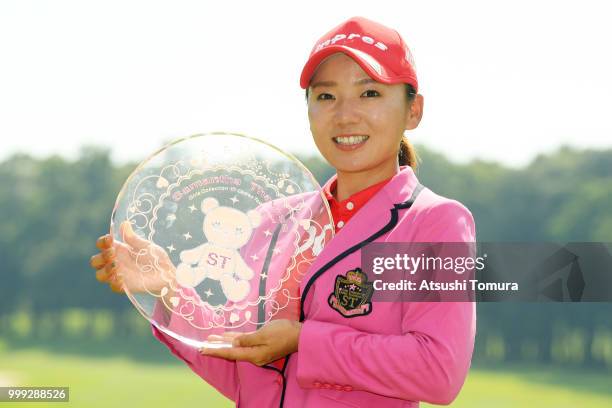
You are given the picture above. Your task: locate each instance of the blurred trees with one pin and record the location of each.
(53, 210)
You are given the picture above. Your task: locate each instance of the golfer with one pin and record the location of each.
(362, 97)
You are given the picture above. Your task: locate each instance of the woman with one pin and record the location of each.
(361, 91)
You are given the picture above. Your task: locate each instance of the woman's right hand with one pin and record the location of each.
(135, 264)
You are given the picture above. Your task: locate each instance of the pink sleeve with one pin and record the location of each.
(428, 362)
(218, 372)
(448, 221)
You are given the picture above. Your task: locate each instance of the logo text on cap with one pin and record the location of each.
(340, 37)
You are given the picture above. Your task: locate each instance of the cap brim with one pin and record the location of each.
(375, 70)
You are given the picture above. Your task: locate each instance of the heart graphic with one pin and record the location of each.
(233, 318)
(162, 182)
(174, 300)
(290, 189)
(305, 224)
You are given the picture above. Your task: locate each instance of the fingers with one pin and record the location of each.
(226, 337)
(107, 273)
(116, 286)
(97, 261)
(100, 260)
(105, 263)
(242, 354)
(248, 340)
(104, 242)
(220, 338)
(108, 254)
(251, 349)
(116, 280)
(215, 338)
(230, 335)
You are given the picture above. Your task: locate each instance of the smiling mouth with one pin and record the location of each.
(350, 140)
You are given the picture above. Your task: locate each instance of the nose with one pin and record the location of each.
(346, 113)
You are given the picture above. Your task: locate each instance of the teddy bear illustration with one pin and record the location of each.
(227, 230)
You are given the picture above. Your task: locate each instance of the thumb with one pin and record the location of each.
(130, 237)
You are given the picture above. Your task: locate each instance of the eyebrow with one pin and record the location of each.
(332, 83)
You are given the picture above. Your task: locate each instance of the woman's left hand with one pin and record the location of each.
(273, 341)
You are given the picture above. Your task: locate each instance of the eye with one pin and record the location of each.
(324, 96)
(370, 93)
(239, 230)
(216, 224)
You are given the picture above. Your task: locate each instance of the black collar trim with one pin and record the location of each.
(392, 222)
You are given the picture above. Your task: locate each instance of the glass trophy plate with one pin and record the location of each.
(214, 234)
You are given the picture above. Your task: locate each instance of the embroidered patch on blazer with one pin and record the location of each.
(352, 294)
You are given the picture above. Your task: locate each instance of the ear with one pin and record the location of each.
(254, 218)
(209, 204)
(414, 113)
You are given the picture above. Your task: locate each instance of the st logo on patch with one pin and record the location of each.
(352, 294)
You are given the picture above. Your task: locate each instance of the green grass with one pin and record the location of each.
(110, 375)
(143, 374)
(528, 386)
(111, 382)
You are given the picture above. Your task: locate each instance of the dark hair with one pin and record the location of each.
(407, 154)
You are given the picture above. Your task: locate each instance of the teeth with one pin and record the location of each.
(350, 140)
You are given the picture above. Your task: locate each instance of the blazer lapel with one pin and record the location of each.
(375, 218)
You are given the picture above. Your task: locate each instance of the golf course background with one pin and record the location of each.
(60, 327)
(134, 370)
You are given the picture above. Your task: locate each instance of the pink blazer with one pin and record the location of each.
(395, 355)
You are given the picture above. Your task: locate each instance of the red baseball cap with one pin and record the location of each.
(378, 49)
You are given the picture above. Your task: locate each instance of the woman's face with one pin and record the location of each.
(357, 123)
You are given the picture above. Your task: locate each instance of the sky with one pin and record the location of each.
(502, 80)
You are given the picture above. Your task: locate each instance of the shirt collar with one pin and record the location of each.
(343, 210)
